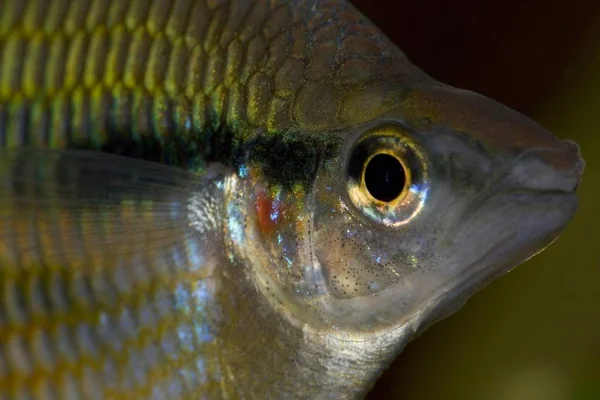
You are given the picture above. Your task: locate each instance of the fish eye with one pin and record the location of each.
(384, 177)
(387, 176)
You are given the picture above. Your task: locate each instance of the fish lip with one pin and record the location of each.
(556, 168)
(499, 189)
(552, 192)
(537, 172)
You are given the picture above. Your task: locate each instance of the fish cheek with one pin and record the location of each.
(353, 266)
(356, 257)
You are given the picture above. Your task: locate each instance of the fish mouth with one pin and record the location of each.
(529, 239)
(527, 206)
(549, 169)
(543, 171)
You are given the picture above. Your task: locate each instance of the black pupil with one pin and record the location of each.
(384, 177)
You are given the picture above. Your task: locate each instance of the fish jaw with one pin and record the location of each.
(499, 189)
(524, 209)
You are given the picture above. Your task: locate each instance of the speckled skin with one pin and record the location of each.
(149, 292)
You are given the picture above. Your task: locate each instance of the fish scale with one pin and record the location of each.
(173, 71)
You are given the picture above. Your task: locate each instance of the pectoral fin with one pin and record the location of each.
(65, 207)
(106, 267)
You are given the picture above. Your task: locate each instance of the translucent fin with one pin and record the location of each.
(107, 266)
(69, 207)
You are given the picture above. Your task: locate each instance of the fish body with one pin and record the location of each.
(244, 199)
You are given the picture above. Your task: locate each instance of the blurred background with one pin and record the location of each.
(534, 333)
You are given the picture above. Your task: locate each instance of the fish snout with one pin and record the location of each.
(555, 169)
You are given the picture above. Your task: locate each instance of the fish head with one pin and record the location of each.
(404, 217)
(433, 201)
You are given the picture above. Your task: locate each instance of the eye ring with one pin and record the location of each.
(385, 177)
(403, 196)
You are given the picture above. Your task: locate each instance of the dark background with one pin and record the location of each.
(516, 51)
(535, 333)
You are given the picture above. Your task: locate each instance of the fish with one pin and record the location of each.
(239, 199)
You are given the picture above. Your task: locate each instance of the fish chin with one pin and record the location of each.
(502, 233)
